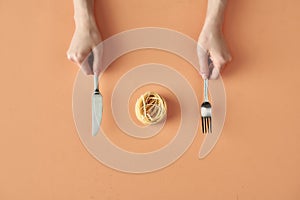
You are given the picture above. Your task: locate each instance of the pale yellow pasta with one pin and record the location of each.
(150, 108)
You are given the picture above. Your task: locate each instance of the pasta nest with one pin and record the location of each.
(150, 108)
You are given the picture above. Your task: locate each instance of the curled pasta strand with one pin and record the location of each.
(150, 108)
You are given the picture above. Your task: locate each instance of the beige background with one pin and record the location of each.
(257, 156)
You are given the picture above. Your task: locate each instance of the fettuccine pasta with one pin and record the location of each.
(150, 108)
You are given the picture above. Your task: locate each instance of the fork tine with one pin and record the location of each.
(206, 124)
(208, 120)
(202, 120)
(206, 111)
(210, 125)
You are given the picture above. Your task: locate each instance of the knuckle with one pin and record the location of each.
(222, 60)
(69, 55)
(78, 56)
(229, 58)
(73, 56)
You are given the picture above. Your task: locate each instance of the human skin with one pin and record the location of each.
(211, 41)
(86, 36)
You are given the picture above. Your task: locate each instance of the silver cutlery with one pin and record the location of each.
(206, 113)
(97, 106)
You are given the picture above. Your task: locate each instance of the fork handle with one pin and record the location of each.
(205, 89)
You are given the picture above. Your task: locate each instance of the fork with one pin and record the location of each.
(206, 116)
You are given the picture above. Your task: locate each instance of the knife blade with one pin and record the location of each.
(97, 99)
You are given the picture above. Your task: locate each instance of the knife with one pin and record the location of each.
(97, 106)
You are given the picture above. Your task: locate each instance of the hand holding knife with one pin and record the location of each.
(97, 100)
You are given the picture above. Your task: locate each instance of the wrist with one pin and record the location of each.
(213, 21)
(215, 13)
(84, 12)
(209, 32)
(212, 26)
(85, 20)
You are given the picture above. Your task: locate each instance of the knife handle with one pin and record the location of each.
(91, 63)
(96, 84)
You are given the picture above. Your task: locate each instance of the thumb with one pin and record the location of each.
(97, 65)
(203, 61)
(86, 64)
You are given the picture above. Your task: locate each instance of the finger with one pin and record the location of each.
(215, 71)
(210, 63)
(203, 61)
(87, 64)
(97, 65)
(219, 60)
(76, 57)
(71, 56)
